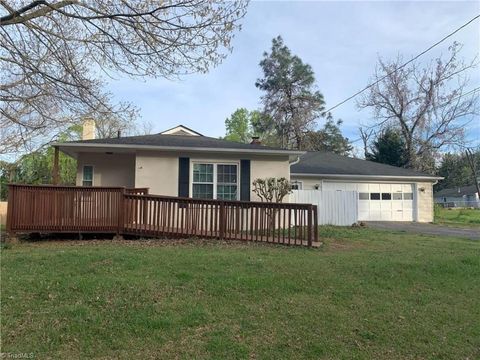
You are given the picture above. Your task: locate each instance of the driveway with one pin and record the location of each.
(427, 229)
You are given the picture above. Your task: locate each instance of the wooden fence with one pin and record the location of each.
(338, 207)
(46, 208)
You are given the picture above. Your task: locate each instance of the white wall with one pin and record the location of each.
(158, 172)
(108, 169)
(334, 207)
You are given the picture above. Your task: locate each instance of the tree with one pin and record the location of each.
(457, 170)
(271, 189)
(243, 124)
(51, 54)
(388, 148)
(37, 167)
(329, 138)
(239, 125)
(429, 105)
(473, 160)
(290, 99)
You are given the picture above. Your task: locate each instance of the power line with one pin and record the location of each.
(405, 64)
(437, 107)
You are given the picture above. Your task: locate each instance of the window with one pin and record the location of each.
(397, 196)
(202, 187)
(407, 196)
(363, 196)
(374, 196)
(215, 181)
(87, 175)
(296, 185)
(386, 196)
(226, 182)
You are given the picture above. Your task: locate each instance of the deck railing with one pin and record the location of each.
(45, 208)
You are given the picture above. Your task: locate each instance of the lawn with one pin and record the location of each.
(365, 294)
(457, 217)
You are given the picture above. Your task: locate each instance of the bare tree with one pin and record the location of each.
(430, 105)
(366, 135)
(52, 53)
(472, 164)
(271, 189)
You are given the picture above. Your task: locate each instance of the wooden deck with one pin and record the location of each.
(135, 212)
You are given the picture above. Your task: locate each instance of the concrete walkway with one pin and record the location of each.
(428, 229)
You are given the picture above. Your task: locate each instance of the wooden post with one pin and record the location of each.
(310, 225)
(221, 220)
(55, 166)
(121, 214)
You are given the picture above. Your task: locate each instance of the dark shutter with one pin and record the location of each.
(183, 176)
(245, 180)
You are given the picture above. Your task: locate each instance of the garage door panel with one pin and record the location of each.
(379, 201)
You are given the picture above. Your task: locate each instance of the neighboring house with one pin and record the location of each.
(183, 162)
(385, 193)
(464, 196)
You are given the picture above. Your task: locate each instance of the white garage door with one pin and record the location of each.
(379, 202)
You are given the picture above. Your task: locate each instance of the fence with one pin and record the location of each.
(459, 204)
(134, 211)
(337, 207)
(3, 212)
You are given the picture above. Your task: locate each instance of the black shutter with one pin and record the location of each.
(245, 180)
(183, 176)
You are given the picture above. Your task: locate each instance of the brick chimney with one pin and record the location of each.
(256, 140)
(88, 129)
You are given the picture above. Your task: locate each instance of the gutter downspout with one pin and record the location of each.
(294, 162)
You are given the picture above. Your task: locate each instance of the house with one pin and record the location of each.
(178, 162)
(385, 193)
(182, 162)
(463, 196)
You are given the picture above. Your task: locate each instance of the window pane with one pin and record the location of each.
(386, 196)
(407, 196)
(202, 191)
(88, 173)
(296, 185)
(87, 183)
(203, 173)
(227, 174)
(227, 192)
(374, 196)
(397, 196)
(363, 196)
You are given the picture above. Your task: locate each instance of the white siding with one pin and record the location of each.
(334, 207)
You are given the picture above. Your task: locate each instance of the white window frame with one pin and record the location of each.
(93, 175)
(215, 180)
(298, 183)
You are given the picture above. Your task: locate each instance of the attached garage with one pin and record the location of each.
(383, 192)
(379, 201)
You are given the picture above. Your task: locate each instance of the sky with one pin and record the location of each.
(340, 40)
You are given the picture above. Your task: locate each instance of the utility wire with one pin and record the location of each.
(437, 107)
(403, 65)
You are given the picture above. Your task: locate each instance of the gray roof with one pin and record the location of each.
(176, 141)
(457, 191)
(325, 163)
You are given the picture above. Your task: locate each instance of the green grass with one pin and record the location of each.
(365, 294)
(457, 217)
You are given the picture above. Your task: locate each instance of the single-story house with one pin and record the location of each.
(183, 162)
(463, 196)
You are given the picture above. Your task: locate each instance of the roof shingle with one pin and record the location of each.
(324, 163)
